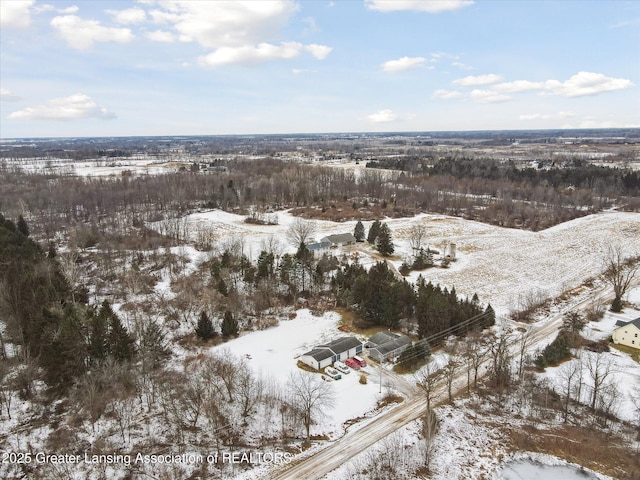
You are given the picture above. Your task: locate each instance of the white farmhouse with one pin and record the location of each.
(627, 333)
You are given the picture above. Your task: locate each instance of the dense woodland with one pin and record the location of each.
(476, 189)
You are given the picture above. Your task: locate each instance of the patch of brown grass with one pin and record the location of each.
(306, 368)
(633, 352)
(389, 399)
(585, 446)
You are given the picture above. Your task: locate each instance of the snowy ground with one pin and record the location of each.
(273, 352)
(625, 371)
(501, 265)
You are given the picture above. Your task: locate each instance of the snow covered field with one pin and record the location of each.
(273, 352)
(499, 264)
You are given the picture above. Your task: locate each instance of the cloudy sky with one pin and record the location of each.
(170, 67)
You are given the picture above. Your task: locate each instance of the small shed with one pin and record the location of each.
(627, 333)
(337, 350)
(387, 346)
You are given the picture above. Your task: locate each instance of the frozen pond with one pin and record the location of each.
(529, 470)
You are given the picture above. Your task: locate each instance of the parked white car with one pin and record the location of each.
(333, 373)
(341, 367)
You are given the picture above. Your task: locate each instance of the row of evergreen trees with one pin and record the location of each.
(381, 299)
(379, 235)
(65, 337)
(206, 331)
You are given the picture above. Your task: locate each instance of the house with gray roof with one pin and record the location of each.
(627, 333)
(326, 354)
(340, 240)
(319, 248)
(387, 346)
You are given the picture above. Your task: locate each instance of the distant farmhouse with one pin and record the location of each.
(332, 241)
(337, 350)
(340, 240)
(385, 346)
(318, 249)
(627, 333)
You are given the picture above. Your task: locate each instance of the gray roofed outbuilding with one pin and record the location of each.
(340, 239)
(387, 345)
(327, 353)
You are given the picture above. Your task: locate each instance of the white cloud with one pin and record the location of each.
(488, 96)
(74, 107)
(318, 51)
(68, 10)
(519, 86)
(382, 116)
(474, 81)
(226, 24)
(82, 34)
(312, 26)
(45, 7)
(161, 36)
(461, 66)
(7, 96)
(402, 64)
(586, 83)
(446, 94)
(249, 55)
(15, 13)
(238, 32)
(535, 116)
(546, 116)
(430, 6)
(128, 16)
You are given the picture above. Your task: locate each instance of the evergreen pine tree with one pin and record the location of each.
(63, 354)
(222, 287)
(490, 318)
(98, 345)
(303, 255)
(374, 229)
(229, 325)
(358, 232)
(384, 243)
(265, 265)
(205, 329)
(121, 343)
(154, 346)
(23, 228)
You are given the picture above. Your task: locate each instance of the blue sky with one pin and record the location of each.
(155, 67)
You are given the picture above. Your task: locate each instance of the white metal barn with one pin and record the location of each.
(337, 350)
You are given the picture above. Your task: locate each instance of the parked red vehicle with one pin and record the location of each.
(360, 361)
(351, 363)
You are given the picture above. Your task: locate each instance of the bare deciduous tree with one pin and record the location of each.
(619, 272)
(429, 431)
(427, 379)
(417, 236)
(569, 374)
(599, 368)
(311, 395)
(475, 352)
(524, 342)
(300, 231)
